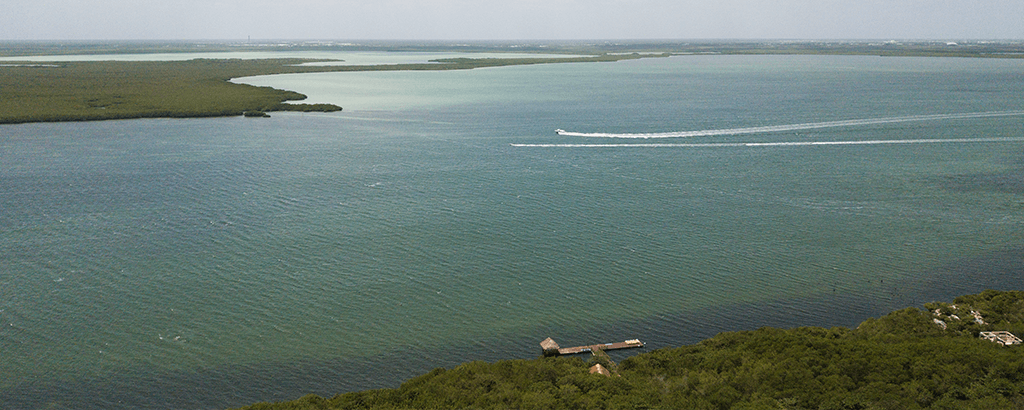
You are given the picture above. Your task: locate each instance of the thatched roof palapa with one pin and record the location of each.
(597, 368)
(549, 344)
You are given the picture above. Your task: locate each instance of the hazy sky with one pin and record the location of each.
(511, 20)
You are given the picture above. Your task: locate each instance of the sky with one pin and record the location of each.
(510, 19)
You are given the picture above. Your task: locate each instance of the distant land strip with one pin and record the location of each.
(104, 90)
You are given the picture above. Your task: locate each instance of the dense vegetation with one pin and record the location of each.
(904, 360)
(101, 90)
(81, 91)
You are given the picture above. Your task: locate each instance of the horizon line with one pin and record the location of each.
(512, 40)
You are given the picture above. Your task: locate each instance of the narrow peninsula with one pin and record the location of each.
(106, 90)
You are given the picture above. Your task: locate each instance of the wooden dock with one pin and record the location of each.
(550, 347)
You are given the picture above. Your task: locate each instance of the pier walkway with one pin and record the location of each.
(551, 348)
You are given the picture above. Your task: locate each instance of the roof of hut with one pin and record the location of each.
(549, 344)
(597, 368)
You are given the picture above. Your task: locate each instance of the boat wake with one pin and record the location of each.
(793, 127)
(777, 144)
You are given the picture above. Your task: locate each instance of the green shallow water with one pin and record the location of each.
(151, 256)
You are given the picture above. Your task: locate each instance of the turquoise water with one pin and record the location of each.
(217, 262)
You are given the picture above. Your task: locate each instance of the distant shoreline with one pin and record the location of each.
(83, 90)
(889, 47)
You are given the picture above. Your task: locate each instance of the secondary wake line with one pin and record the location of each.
(774, 144)
(793, 127)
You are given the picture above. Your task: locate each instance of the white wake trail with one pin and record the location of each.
(793, 127)
(777, 144)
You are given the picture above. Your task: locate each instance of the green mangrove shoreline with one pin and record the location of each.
(106, 90)
(932, 358)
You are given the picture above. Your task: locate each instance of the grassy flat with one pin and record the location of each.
(82, 91)
(103, 90)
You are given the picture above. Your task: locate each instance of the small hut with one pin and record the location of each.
(598, 369)
(549, 347)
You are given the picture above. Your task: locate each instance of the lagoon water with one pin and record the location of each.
(211, 263)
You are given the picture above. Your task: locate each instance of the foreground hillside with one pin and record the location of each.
(908, 359)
